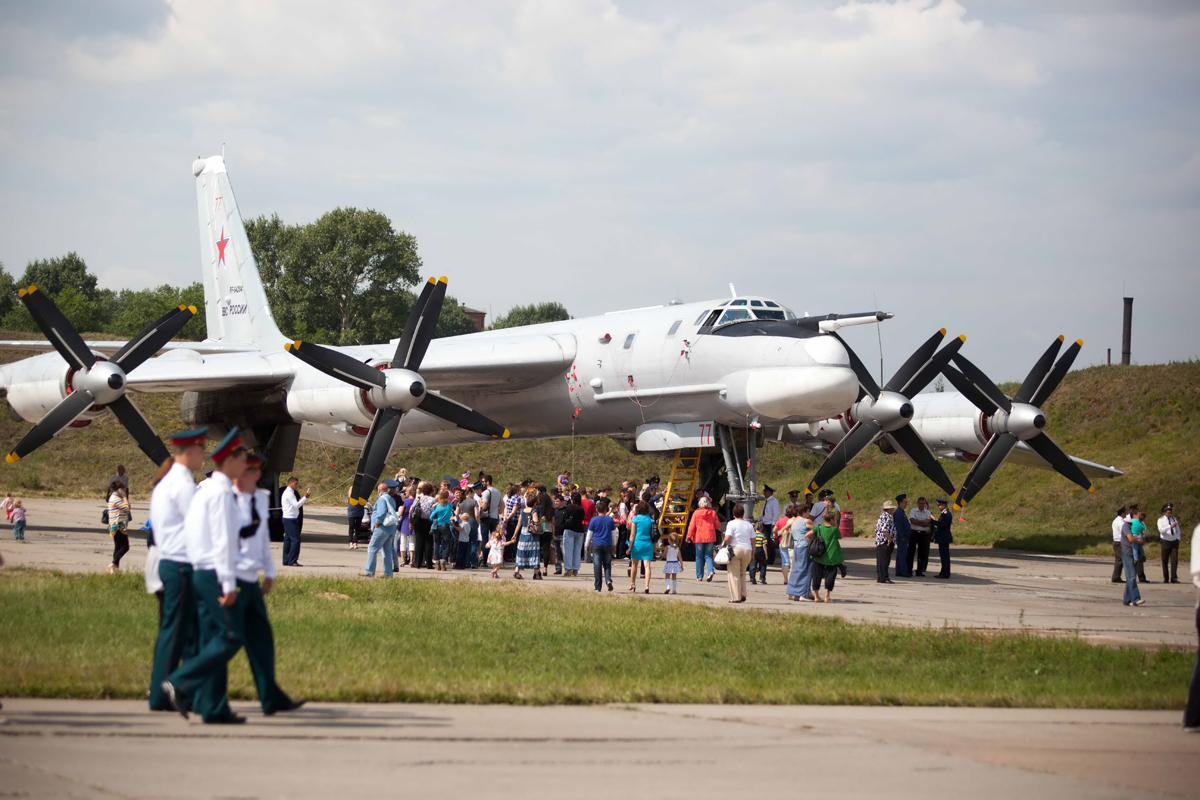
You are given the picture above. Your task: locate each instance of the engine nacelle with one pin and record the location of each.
(313, 397)
(38, 384)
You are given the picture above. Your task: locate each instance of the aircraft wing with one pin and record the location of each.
(1024, 455)
(108, 348)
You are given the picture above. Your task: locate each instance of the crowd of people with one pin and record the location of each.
(1129, 549)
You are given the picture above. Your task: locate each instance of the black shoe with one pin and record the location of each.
(232, 719)
(943, 577)
(920, 574)
(1175, 580)
(889, 580)
(763, 581)
(610, 586)
(294, 564)
(295, 705)
(174, 699)
(753, 581)
(1117, 580)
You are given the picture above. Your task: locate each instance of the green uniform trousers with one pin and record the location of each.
(251, 624)
(177, 627)
(200, 680)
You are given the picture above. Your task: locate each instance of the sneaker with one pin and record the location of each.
(1139, 602)
(173, 698)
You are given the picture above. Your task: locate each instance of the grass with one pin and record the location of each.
(1143, 419)
(90, 636)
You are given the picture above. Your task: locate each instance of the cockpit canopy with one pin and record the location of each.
(740, 309)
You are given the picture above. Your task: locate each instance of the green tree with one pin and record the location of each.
(134, 310)
(8, 292)
(53, 275)
(77, 308)
(531, 314)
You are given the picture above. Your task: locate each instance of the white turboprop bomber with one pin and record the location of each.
(718, 374)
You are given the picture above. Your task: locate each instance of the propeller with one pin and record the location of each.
(93, 382)
(1017, 420)
(886, 412)
(396, 390)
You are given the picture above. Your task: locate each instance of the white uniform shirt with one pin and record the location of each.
(1168, 529)
(211, 528)
(1117, 524)
(921, 519)
(291, 506)
(770, 511)
(254, 552)
(169, 504)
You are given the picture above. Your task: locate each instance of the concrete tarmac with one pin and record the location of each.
(105, 749)
(990, 589)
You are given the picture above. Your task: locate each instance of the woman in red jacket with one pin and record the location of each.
(702, 532)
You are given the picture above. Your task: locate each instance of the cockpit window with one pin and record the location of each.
(772, 304)
(675, 327)
(756, 303)
(712, 319)
(737, 302)
(769, 313)
(734, 315)
(700, 318)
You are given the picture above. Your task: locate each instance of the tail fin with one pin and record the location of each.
(235, 302)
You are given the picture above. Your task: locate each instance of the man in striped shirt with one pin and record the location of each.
(885, 541)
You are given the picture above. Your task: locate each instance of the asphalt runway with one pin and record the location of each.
(116, 748)
(990, 589)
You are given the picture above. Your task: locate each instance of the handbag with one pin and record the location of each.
(722, 556)
(390, 520)
(104, 517)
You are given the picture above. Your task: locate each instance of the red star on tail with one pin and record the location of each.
(221, 247)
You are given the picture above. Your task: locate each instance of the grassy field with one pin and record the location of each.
(460, 642)
(1143, 419)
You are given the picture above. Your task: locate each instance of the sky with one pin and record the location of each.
(1007, 170)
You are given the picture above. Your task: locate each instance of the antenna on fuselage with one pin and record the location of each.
(732, 291)
(879, 336)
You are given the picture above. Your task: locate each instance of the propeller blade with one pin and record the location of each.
(854, 442)
(976, 376)
(136, 426)
(58, 418)
(464, 417)
(1045, 447)
(970, 391)
(425, 326)
(405, 345)
(909, 442)
(935, 364)
(865, 380)
(151, 340)
(910, 368)
(338, 365)
(1038, 374)
(993, 455)
(375, 452)
(1057, 374)
(62, 334)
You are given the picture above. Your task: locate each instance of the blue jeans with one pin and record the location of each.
(572, 547)
(704, 559)
(602, 562)
(443, 543)
(474, 546)
(382, 539)
(19, 530)
(1132, 595)
(291, 541)
(785, 558)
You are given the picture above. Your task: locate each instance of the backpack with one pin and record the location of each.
(816, 548)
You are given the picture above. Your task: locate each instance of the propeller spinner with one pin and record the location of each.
(886, 412)
(397, 389)
(94, 382)
(1017, 420)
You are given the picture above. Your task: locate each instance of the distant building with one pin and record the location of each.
(475, 315)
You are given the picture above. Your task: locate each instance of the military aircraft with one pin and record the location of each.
(719, 375)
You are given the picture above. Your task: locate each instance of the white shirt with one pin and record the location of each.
(921, 519)
(211, 529)
(741, 533)
(1168, 529)
(168, 506)
(254, 552)
(818, 510)
(1196, 560)
(291, 506)
(1117, 523)
(770, 511)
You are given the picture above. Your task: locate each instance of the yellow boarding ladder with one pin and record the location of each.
(677, 499)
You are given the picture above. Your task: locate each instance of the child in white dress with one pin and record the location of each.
(673, 566)
(496, 552)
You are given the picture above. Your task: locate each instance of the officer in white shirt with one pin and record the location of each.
(1168, 534)
(211, 532)
(1118, 523)
(249, 613)
(921, 520)
(169, 502)
(293, 520)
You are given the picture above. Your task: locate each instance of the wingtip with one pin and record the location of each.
(12, 457)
